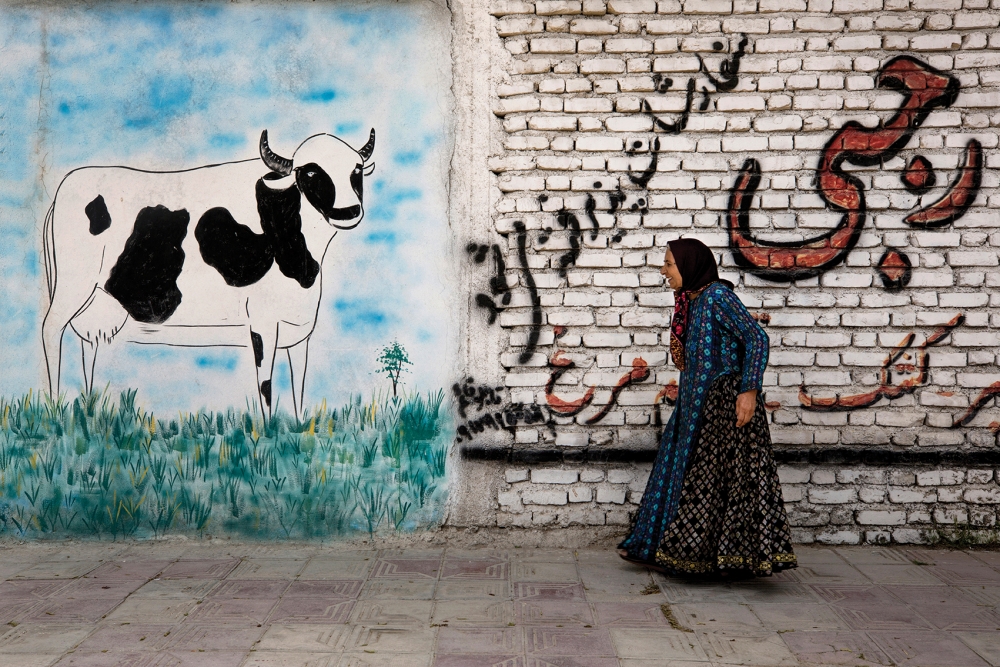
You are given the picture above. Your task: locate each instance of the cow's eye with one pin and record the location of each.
(310, 174)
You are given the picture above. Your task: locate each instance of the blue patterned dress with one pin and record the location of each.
(722, 339)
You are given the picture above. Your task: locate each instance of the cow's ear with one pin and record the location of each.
(369, 168)
(280, 183)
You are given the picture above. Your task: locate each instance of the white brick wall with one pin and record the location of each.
(568, 101)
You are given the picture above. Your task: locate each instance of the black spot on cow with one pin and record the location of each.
(243, 257)
(265, 391)
(258, 347)
(97, 213)
(144, 279)
(280, 220)
(239, 255)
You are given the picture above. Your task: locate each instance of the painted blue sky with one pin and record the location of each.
(177, 86)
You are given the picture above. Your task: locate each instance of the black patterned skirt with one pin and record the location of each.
(731, 517)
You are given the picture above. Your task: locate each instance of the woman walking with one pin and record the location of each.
(713, 503)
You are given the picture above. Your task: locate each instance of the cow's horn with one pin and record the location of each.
(369, 148)
(274, 162)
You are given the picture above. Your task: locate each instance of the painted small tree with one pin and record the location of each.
(394, 361)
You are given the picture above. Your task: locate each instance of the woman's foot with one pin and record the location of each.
(623, 553)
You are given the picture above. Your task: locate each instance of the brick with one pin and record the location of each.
(581, 494)
(897, 495)
(940, 478)
(609, 494)
(631, 6)
(593, 27)
(512, 475)
(832, 496)
(707, 7)
(540, 497)
(982, 496)
(939, 42)
(603, 340)
(881, 517)
(556, 7)
(554, 476)
(553, 45)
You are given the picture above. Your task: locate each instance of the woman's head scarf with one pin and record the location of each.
(696, 263)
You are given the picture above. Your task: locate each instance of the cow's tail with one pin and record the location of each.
(49, 250)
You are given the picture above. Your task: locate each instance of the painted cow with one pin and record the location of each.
(121, 258)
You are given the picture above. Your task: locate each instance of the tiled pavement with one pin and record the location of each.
(179, 604)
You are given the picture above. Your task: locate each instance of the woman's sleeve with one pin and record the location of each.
(733, 316)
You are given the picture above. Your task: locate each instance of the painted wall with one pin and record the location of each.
(191, 436)
(838, 156)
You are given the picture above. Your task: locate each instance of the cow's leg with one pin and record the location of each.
(89, 356)
(264, 340)
(297, 359)
(52, 335)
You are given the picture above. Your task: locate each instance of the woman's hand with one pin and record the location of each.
(746, 403)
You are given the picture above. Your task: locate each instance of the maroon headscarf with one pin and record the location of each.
(696, 263)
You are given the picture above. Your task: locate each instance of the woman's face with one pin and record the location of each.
(670, 271)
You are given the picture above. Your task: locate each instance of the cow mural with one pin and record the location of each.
(221, 255)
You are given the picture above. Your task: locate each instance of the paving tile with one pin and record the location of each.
(471, 589)
(134, 659)
(10, 569)
(330, 588)
(153, 610)
(398, 589)
(966, 617)
(989, 595)
(267, 568)
(991, 558)
(365, 659)
(305, 637)
(881, 616)
(322, 567)
(489, 641)
(199, 569)
(930, 596)
(485, 553)
(711, 616)
(236, 611)
(549, 591)
(127, 637)
(249, 588)
(539, 555)
(430, 553)
(42, 638)
(406, 568)
(65, 610)
(963, 573)
(99, 588)
(774, 592)
(851, 649)
(657, 644)
(474, 612)
(323, 611)
(15, 611)
(809, 556)
(468, 568)
(802, 617)
(851, 594)
(926, 649)
(899, 574)
(613, 583)
(128, 570)
(577, 661)
(553, 613)
(827, 573)
(28, 659)
(176, 589)
(873, 556)
(193, 636)
(639, 662)
(544, 571)
(392, 612)
(985, 644)
(292, 659)
(766, 650)
(33, 589)
(62, 569)
(630, 614)
(478, 660)
(546, 640)
(677, 591)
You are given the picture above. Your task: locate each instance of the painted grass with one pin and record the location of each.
(103, 467)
